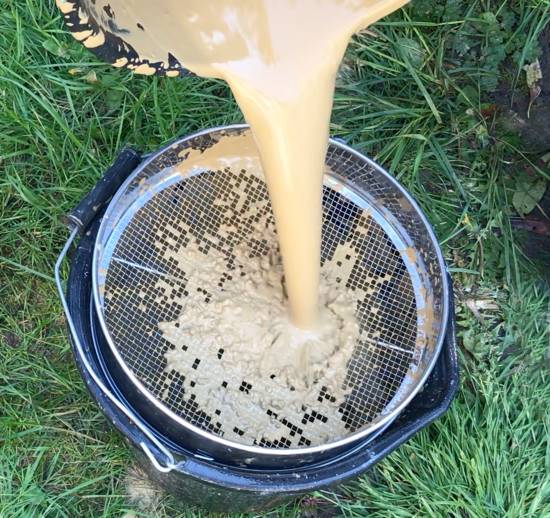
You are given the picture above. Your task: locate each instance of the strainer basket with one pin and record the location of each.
(391, 258)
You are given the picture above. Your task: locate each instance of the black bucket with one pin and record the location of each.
(190, 474)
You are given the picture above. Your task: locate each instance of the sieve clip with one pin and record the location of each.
(78, 221)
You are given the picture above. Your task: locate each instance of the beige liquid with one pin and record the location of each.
(280, 58)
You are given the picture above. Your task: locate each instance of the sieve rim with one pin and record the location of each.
(259, 450)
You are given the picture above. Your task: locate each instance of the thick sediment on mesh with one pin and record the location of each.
(242, 361)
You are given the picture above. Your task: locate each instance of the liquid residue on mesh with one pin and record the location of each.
(245, 366)
(213, 236)
(253, 375)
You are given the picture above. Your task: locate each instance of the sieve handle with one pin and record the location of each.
(168, 462)
(84, 213)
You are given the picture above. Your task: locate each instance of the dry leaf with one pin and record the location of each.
(533, 76)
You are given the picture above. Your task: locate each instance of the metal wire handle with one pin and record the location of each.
(169, 462)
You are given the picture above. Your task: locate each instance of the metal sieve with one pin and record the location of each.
(140, 280)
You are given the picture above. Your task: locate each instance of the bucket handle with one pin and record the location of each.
(77, 221)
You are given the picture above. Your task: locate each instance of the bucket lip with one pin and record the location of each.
(109, 47)
(258, 450)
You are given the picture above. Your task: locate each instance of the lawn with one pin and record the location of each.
(428, 93)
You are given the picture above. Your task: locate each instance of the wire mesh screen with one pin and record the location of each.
(146, 282)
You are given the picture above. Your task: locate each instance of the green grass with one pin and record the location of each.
(417, 97)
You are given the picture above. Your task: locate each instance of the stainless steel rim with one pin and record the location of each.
(378, 424)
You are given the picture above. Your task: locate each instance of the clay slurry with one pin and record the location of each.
(280, 58)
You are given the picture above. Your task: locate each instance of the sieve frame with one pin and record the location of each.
(111, 220)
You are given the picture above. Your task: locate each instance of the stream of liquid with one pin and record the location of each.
(280, 59)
